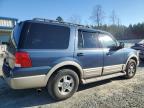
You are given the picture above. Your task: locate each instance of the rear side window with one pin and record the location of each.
(46, 36)
(87, 40)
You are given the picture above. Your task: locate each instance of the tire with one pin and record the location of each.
(63, 85)
(131, 69)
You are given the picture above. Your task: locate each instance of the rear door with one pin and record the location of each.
(89, 54)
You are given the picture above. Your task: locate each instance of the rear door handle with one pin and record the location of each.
(80, 54)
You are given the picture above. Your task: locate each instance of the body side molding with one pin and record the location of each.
(90, 80)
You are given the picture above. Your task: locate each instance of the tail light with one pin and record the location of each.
(22, 59)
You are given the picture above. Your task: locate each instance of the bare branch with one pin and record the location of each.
(114, 18)
(97, 15)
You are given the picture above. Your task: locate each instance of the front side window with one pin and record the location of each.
(87, 40)
(107, 41)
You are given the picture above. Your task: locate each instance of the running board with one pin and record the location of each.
(90, 80)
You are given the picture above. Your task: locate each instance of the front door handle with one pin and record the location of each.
(80, 54)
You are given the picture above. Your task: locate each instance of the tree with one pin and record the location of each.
(97, 15)
(113, 17)
(75, 19)
(118, 21)
(59, 19)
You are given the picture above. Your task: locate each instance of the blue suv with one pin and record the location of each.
(60, 56)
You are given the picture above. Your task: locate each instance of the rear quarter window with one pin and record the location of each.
(46, 36)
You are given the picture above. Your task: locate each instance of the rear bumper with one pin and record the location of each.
(26, 82)
(24, 78)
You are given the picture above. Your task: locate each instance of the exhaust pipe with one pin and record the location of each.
(39, 90)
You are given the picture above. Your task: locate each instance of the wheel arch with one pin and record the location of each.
(134, 57)
(66, 64)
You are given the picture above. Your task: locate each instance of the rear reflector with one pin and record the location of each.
(22, 59)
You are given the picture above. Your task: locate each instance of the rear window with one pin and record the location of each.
(44, 36)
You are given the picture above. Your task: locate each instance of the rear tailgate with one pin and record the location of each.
(9, 60)
(12, 47)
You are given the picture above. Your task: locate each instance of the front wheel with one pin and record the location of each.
(131, 69)
(63, 85)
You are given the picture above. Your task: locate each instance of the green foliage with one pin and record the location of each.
(59, 19)
(135, 31)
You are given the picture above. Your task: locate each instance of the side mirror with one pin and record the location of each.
(121, 45)
(113, 48)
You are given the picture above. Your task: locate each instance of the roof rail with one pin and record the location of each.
(45, 20)
(55, 21)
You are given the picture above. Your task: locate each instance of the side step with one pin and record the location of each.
(90, 80)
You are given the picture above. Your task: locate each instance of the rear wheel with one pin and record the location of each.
(131, 69)
(63, 85)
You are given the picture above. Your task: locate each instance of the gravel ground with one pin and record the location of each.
(112, 93)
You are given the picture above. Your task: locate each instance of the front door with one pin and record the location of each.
(89, 54)
(113, 59)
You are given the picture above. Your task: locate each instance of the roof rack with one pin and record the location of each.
(55, 21)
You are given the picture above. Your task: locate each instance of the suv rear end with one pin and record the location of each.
(34, 48)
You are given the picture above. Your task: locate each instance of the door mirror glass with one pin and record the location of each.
(114, 48)
(121, 45)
